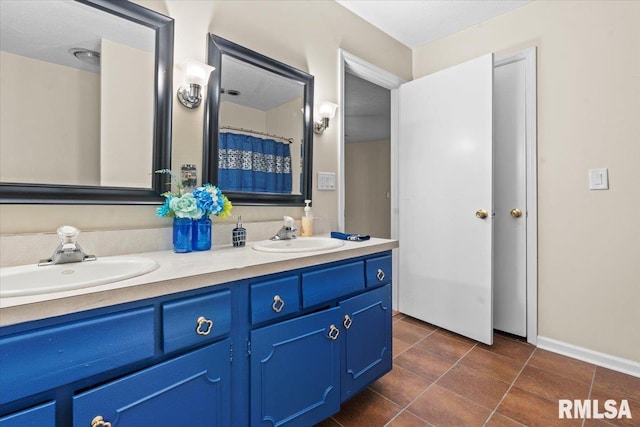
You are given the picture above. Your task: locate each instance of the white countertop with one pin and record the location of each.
(177, 273)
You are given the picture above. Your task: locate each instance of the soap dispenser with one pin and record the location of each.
(239, 235)
(307, 221)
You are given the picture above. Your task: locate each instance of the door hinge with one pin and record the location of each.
(248, 347)
(230, 353)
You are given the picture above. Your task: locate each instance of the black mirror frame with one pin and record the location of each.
(25, 193)
(217, 46)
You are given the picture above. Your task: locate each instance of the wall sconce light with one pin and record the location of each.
(196, 76)
(326, 111)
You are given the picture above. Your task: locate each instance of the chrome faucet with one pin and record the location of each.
(286, 232)
(68, 250)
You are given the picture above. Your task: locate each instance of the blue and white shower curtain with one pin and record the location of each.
(251, 164)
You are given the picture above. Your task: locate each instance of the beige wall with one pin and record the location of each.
(126, 115)
(286, 120)
(367, 188)
(588, 117)
(304, 34)
(41, 128)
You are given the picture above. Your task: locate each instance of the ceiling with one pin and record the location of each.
(417, 22)
(46, 30)
(413, 23)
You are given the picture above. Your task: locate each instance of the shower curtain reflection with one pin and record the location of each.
(251, 164)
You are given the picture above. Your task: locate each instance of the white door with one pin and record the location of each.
(445, 180)
(510, 201)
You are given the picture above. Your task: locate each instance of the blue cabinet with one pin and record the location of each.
(45, 358)
(40, 416)
(273, 299)
(191, 390)
(295, 378)
(367, 339)
(303, 368)
(196, 320)
(280, 350)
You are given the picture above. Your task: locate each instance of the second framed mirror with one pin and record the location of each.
(258, 136)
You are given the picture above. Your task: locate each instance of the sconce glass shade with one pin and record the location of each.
(196, 76)
(326, 110)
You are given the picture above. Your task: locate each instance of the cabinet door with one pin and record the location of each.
(191, 390)
(367, 339)
(40, 416)
(295, 371)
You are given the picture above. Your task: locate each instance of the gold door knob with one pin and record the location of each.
(516, 213)
(482, 214)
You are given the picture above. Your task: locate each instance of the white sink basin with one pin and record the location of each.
(301, 244)
(32, 280)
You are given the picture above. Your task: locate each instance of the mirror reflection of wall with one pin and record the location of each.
(71, 121)
(266, 105)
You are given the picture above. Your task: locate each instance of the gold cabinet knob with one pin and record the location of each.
(204, 326)
(99, 422)
(333, 332)
(347, 321)
(482, 214)
(516, 213)
(278, 304)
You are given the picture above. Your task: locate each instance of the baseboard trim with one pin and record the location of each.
(601, 359)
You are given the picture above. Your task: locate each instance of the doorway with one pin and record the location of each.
(515, 211)
(367, 178)
(354, 66)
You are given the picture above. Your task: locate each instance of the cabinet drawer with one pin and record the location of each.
(196, 320)
(275, 298)
(333, 282)
(40, 416)
(378, 270)
(50, 357)
(191, 390)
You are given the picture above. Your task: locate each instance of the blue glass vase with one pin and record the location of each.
(202, 231)
(182, 232)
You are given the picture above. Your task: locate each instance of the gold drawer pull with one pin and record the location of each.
(278, 304)
(333, 332)
(100, 422)
(380, 275)
(347, 321)
(204, 326)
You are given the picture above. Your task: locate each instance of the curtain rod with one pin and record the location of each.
(289, 140)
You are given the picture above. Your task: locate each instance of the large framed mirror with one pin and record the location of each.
(85, 101)
(258, 136)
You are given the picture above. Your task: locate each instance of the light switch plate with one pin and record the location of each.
(326, 181)
(599, 179)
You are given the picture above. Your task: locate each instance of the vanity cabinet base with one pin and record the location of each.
(285, 349)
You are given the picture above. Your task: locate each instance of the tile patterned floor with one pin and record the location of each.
(442, 379)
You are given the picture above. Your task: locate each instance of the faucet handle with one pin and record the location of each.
(289, 222)
(68, 233)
